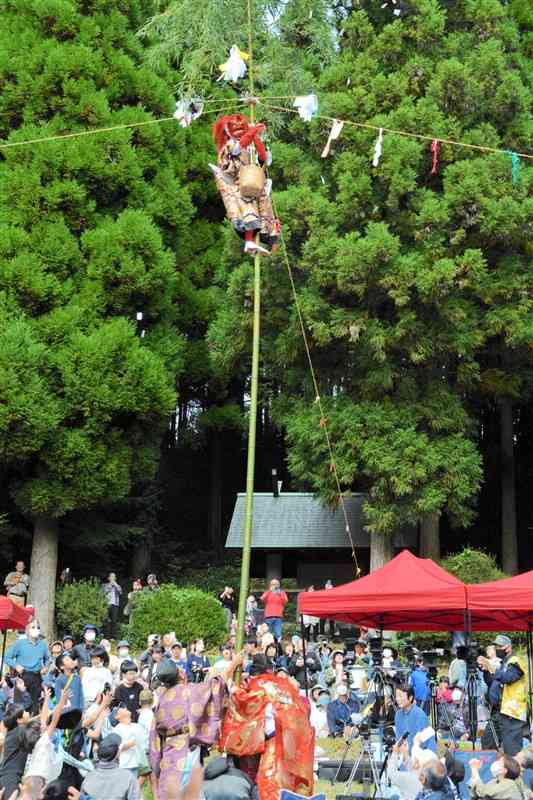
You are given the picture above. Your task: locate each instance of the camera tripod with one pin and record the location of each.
(366, 757)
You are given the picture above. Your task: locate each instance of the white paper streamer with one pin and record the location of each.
(334, 133)
(377, 148)
(307, 105)
(187, 110)
(235, 67)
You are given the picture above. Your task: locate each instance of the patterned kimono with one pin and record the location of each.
(187, 715)
(244, 213)
(286, 757)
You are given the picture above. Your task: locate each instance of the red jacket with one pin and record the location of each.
(275, 603)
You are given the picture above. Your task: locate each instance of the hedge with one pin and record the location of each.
(191, 612)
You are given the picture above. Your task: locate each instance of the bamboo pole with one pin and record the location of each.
(250, 467)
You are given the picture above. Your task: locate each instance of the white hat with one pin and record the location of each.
(342, 689)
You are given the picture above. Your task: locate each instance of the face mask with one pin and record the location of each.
(123, 652)
(500, 653)
(323, 700)
(496, 768)
(34, 632)
(90, 636)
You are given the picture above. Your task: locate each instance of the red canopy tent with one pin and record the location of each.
(505, 605)
(12, 617)
(407, 594)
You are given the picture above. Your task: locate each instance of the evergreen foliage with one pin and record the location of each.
(412, 285)
(473, 566)
(190, 612)
(79, 603)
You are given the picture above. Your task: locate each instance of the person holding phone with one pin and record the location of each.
(275, 601)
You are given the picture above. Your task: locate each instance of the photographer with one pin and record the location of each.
(227, 601)
(340, 712)
(419, 680)
(508, 682)
(457, 670)
(410, 719)
(275, 601)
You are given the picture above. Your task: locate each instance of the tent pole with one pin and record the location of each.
(302, 631)
(530, 672)
(470, 689)
(3, 655)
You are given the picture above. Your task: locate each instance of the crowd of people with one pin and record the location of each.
(89, 718)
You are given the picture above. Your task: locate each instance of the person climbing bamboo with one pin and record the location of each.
(241, 181)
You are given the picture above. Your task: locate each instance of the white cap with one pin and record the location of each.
(342, 689)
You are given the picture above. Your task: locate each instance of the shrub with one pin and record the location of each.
(78, 603)
(473, 566)
(191, 612)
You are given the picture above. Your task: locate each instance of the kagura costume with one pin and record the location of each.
(188, 715)
(248, 206)
(285, 755)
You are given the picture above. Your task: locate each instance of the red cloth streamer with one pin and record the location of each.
(252, 135)
(435, 153)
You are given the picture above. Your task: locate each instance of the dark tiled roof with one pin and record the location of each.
(295, 520)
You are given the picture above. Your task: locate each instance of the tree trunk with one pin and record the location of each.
(215, 496)
(381, 550)
(141, 558)
(508, 488)
(430, 537)
(43, 571)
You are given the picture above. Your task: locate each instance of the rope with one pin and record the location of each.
(425, 137)
(93, 131)
(318, 398)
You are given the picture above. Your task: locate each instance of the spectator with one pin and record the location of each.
(68, 643)
(108, 781)
(96, 678)
(227, 601)
(146, 718)
(112, 591)
(68, 675)
(525, 759)
(136, 590)
(7, 692)
(435, 782)
(17, 747)
(29, 658)
(252, 608)
(410, 719)
(149, 673)
(82, 651)
(226, 657)
(146, 656)
(197, 664)
(275, 601)
(128, 691)
(457, 670)
(508, 689)
(178, 656)
(287, 657)
(123, 652)
(506, 783)
(151, 583)
(222, 780)
(419, 680)
(339, 712)
(320, 700)
(404, 774)
(132, 749)
(17, 584)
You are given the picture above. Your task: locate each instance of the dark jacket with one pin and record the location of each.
(223, 781)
